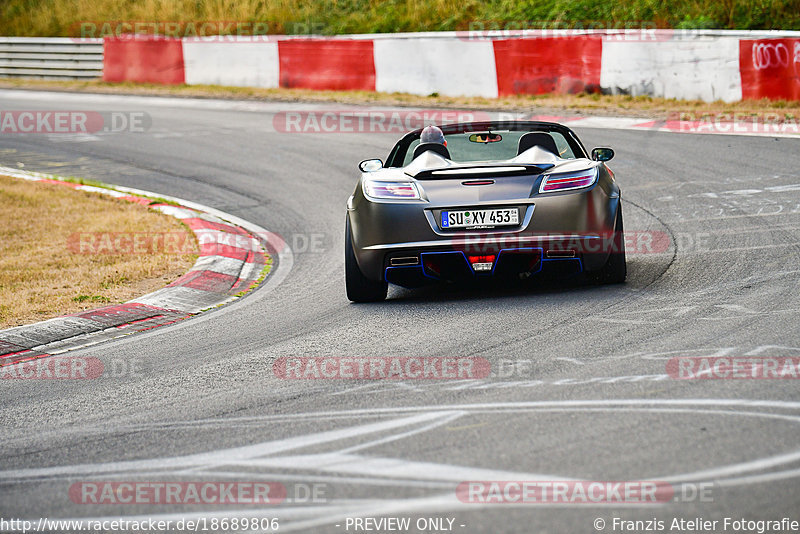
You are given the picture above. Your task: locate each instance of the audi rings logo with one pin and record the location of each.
(768, 56)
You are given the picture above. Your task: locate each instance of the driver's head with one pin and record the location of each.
(432, 134)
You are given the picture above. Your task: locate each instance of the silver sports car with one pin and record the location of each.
(497, 200)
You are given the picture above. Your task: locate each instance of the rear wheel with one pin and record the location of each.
(615, 269)
(359, 287)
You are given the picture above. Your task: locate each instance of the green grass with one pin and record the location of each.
(64, 17)
(92, 298)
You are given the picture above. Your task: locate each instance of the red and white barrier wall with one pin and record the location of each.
(709, 66)
(699, 69)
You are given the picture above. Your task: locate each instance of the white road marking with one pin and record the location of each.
(571, 360)
(403, 422)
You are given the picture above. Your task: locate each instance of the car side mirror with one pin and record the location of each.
(602, 154)
(371, 165)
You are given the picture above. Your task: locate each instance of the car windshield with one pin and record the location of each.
(469, 147)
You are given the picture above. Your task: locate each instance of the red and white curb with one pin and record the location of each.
(690, 123)
(235, 256)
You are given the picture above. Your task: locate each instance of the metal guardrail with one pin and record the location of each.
(56, 58)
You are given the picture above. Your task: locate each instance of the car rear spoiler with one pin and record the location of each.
(429, 166)
(478, 171)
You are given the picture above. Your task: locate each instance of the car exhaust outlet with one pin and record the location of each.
(404, 260)
(552, 254)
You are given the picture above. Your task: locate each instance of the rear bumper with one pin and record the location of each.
(415, 264)
(456, 266)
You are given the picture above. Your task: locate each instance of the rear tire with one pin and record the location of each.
(359, 287)
(615, 269)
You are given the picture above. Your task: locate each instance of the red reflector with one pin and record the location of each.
(481, 259)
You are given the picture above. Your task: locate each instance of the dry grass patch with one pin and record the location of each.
(40, 277)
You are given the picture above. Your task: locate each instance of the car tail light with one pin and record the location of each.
(566, 181)
(393, 190)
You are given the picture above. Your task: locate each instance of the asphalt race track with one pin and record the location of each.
(579, 388)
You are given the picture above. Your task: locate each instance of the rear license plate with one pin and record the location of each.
(480, 218)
